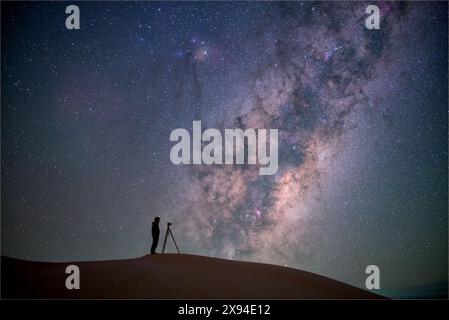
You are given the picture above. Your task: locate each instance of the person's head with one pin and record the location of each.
(157, 219)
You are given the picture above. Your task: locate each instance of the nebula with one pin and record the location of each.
(311, 88)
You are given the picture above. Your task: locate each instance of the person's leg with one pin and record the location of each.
(153, 246)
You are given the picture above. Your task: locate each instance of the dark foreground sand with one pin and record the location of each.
(170, 276)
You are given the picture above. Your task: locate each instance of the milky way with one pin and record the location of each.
(361, 114)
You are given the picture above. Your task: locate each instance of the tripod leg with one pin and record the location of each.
(165, 241)
(171, 234)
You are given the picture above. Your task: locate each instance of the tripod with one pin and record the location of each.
(166, 236)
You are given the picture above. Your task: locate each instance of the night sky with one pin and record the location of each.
(362, 118)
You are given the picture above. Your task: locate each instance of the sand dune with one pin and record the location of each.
(170, 276)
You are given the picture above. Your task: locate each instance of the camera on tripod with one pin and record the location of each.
(169, 232)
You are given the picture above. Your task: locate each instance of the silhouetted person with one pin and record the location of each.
(155, 234)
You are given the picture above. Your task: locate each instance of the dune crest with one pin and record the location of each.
(171, 276)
